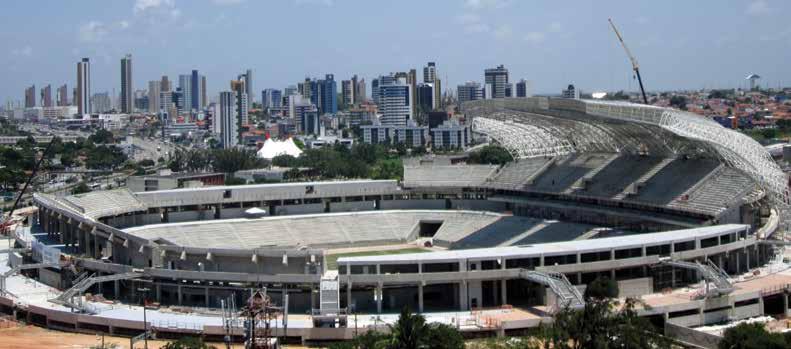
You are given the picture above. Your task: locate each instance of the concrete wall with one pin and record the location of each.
(49, 278)
(636, 287)
(747, 311)
(413, 204)
(300, 209)
(478, 205)
(351, 206)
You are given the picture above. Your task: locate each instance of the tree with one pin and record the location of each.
(80, 189)
(752, 336)
(443, 336)
(603, 323)
(679, 102)
(285, 160)
(147, 163)
(102, 136)
(188, 343)
(769, 133)
(409, 331)
(235, 159)
(490, 154)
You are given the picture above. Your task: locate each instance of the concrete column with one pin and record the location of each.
(179, 294)
(738, 262)
(206, 289)
(504, 291)
(420, 297)
(284, 293)
(463, 298)
(158, 292)
(379, 294)
(348, 294)
(785, 304)
(117, 289)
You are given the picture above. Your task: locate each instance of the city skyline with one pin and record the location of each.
(707, 46)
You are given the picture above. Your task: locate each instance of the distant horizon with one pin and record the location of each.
(706, 46)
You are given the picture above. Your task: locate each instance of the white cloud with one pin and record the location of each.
(123, 24)
(535, 37)
(26, 51)
(472, 23)
(477, 28)
(93, 31)
(555, 27)
(468, 18)
(758, 7)
(485, 4)
(144, 5)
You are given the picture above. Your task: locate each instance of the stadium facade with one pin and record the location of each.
(654, 198)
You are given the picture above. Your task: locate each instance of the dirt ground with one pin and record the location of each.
(32, 337)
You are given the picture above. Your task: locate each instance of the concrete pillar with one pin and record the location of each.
(158, 292)
(420, 297)
(463, 298)
(206, 297)
(348, 294)
(504, 291)
(785, 304)
(284, 293)
(117, 289)
(738, 262)
(379, 294)
(178, 290)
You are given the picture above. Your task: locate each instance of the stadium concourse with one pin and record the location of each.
(678, 210)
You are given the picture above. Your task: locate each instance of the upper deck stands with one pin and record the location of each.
(563, 173)
(447, 175)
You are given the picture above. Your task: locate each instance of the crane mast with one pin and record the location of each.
(635, 66)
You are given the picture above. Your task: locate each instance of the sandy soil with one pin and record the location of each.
(32, 337)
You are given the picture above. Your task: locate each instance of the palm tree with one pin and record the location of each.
(409, 332)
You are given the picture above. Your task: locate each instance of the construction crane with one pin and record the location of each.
(635, 66)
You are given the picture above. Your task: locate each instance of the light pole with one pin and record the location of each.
(144, 293)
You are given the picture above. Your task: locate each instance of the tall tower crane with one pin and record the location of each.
(635, 66)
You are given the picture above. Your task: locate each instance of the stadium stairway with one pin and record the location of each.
(567, 294)
(582, 182)
(632, 189)
(329, 294)
(67, 297)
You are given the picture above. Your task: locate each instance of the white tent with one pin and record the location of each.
(274, 148)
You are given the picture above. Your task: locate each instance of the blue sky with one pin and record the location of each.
(679, 43)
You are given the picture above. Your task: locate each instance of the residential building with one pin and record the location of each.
(203, 99)
(327, 102)
(450, 135)
(411, 79)
(30, 97)
(348, 88)
(164, 84)
(436, 118)
(248, 85)
(410, 134)
(359, 95)
(63, 96)
(271, 98)
(101, 103)
(395, 102)
(429, 72)
(470, 91)
(83, 99)
(46, 96)
(195, 92)
(241, 103)
(498, 78)
(425, 97)
(126, 85)
(227, 119)
(153, 96)
(570, 92)
(524, 88)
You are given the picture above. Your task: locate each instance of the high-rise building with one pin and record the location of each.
(248, 86)
(498, 78)
(153, 96)
(63, 96)
(83, 99)
(185, 85)
(438, 93)
(306, 114)
(228, 120)
(470, 91)
(271, 98)
(425, 97)
(429, 72)
(195, 93)
(395, 102)
(241, 103)
(126, 85)
(30, 97)
(166, 102)
(46, 96)
(571, 92)
(164, 84)
(382, 80)
(360, 95)
(327, 101)
(101, 103)
(411, 80)
(524, 88)
(203, 99)
(347, 91)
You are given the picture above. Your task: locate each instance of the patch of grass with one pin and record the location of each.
(332, 260)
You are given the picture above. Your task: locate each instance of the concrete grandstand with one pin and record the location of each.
(654, 198)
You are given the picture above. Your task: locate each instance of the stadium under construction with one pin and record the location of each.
(681, 212)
